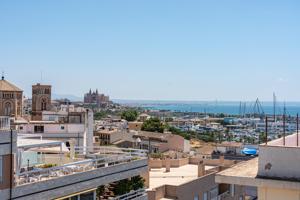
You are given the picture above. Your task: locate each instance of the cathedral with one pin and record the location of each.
(10, 99)
(96, 98)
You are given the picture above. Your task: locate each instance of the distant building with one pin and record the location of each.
(41, 100)
(112, 136)
(27, 106)
(100, 100)
(135, 126)
(10, 99)
(161, 142)
(144, 117)
(75, 124)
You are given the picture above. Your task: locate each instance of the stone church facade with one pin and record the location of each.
(11, 98)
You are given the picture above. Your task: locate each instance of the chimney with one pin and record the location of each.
(168, 165)
(201, 169)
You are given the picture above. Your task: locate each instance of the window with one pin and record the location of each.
(196, 197)
(1, 169)
(44, 105)
(205, 196)
(241, 198)
(39, 129)
(7, 109)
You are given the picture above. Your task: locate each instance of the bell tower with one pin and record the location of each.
(41, 100)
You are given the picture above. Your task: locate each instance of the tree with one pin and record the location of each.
(262, 137)
(153, 125)
(122, 187)
(100, 115)
(100, 191)
(137, 183)
(127, 185)
(129, 115)
(169, 119)
(177, 131)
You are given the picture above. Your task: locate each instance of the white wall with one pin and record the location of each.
(279, 162)
(54, 128)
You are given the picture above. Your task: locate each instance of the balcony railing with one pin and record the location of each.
(224, 196)
(100, 150)
(132, 195)
(113, 156)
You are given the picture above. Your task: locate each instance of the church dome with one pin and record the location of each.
(8, 87)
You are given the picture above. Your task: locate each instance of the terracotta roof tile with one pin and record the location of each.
(7, 86)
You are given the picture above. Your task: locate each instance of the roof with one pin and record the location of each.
(245, 174)
(152, 135)
(290, 141)
(230, 144)
(247, 169)
(176, 177)
(7, 86)
(106, 131)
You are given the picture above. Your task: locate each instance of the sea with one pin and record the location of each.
(217, 107)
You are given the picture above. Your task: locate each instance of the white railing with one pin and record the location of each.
(114, 156)
(224, 195)
(132, 195)
(100, 150)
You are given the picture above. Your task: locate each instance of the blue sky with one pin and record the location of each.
(156, 50)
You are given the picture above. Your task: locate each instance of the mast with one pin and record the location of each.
(274, 106)
(284, 118)
(297, 129)
(240, 109)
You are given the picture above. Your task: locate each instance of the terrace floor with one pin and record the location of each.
(176, 177)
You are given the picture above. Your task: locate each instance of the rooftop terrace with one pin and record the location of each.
(289, 141)
(176, 177)
(86, 160)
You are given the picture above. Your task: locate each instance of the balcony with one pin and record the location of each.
(136, 195)
(90, 159)
(89, 169)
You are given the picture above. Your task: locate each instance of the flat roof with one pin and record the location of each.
(290, 141)
(247, 169)
(245, 174)
(176, 177)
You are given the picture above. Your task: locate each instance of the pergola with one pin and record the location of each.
(38, 145)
